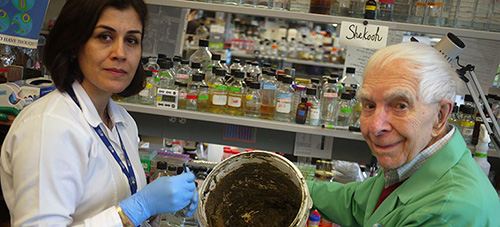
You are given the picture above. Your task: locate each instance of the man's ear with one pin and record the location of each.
(445, 109)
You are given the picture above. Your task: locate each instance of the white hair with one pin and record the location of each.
(438, 80)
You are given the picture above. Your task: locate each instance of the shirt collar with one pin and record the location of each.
(90, 112)
(403, 172)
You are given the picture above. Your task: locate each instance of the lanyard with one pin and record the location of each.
(128, 171)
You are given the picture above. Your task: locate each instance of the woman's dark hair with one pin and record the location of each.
(73, 29)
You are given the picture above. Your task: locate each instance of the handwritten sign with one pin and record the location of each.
(360, 35)
(21, 21)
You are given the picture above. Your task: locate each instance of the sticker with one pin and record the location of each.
(219, 100)
(234, 101)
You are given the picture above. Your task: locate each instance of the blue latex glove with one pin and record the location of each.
(164, 195)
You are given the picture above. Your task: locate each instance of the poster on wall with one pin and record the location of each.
(21, 21)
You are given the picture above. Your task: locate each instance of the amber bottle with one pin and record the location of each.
(302, 111)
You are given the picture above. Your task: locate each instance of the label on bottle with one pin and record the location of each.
(330, 95)
(182, 76)
(144, 92)
(148, 85)
(219, 100)
(235, 89)
(283, 107)
(249, 97)
(314, 113)
(221, 87)
(234, 101)
(202, 97)
(182, 95)
(422, 4)
(346, 110)
(269, 87)
(191, 97)
(371, 8)
(435, 4)
(468, 131)
(302, 112)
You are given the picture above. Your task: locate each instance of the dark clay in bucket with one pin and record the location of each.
(256, 194)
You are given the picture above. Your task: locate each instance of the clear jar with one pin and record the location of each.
(183, 74)
(235, 95)
(329, 100)
(202, 55)
(203, 103)
(284, 111)
(181, 95)
(268, 91)
(343, 114)
(314, 107)
(218, 93)
(253, 100)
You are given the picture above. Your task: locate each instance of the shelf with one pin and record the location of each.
(244, 121)
(293, 61)
(324, 19)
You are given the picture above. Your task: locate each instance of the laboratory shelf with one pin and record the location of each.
(244, 121)
(325, 19)
(293, 61)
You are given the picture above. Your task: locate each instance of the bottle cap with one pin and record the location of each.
(334, 75)
(267, 65)
(255, 85)
(315, 80)
(185, 62)
(198, 77)
(182, 84)
(223, 61)
(220, 72)
(300, 88)
(248, 62)
(236, 60)
(468, 98)
(281, 76)
(177, 58)
(468, 110)
(350, 70)
(195, 65)
(346, 96)
(163, 64)
(311, 91)
(204, 86)
(332, 81)
(203, 43)
(255, 63)
(239, 74)
(149, 73)
(161, 165)
(162, 56)
(303, 99)
(178, 170)
(287, 80)
(216, 57)
(455, 109)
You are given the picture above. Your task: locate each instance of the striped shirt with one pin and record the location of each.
(396, 175)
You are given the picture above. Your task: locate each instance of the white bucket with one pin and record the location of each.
(236, 161)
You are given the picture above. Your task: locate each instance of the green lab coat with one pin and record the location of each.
(449, 189)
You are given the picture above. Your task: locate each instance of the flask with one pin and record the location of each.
(329, 99)
(302, 111)
(467, 124)
(203, 102)
(268, 92)
(182, 95)
(183, 74)
(370, 9)
(235, 95)
(202, 55)
(299, 6)
(481, 153)
(344, 111)
(218, 93)
(320, 6)
(401, 10)
(314, 107)
(284, 101)
(386, 10)
(253, 100)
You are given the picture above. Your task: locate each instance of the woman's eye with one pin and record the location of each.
(132, 41)
(105, 37)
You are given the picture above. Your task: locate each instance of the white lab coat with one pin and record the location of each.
(56, 171)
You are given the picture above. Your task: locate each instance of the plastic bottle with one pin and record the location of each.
(481, 153)
(302, 111)
(253, 100)
(183, 74)
(202, 55)
(370, 9)
(314, 107)
(235, 95)
(182, 95)
(329, 100)
(314, 219)
(386, 10)
(218, 93)
(203, 102)
(284, 101)
(344, 111)
(268, 91)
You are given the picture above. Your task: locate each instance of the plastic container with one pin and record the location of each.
(313, 220)
(234, 162)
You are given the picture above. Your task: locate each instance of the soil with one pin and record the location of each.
(256, 194)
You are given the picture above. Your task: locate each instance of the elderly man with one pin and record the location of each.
(428, 175)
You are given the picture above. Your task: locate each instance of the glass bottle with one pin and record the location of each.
(235, 95)
(236, 65)
(279, 4)
(453, 120)
(314, 107)
(263, 4)
(433, 12)
(182, 95)
(177, 63)
(302, 111)
(350, 77)
(195, 69)
(320, 6)
(284, 101)
(343, 114)
(467, 124)
(203, 103)
(340, 7)
(201, 33)
(401, 10)
(161, 170)
(218, 93)
(356, 8)
(210, 72)
(232, 2)
(183, 74)
(202, 55)
(253, 100)
(329, 99)
(299, 6)
(417, 11)
(370, 9)
(268, 91)
(386, 10)
(248, 3)
(300, 92)
(167, 75)
(192, 96)
(147, 95)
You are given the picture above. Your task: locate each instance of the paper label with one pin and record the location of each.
(249, 97)
(283, 107)
(234, 101)
(221, 87)
(314, 113)
(235, 89)
(182, 76)
(192, 97)
(346, 110)
(219, 100)
(202, 97)
(360, 35)
(182, 95)
(269, 87)
(468, 131)
(330, 95)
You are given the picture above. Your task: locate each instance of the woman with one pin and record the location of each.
(71, 158)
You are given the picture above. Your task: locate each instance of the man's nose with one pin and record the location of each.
(379, 123)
